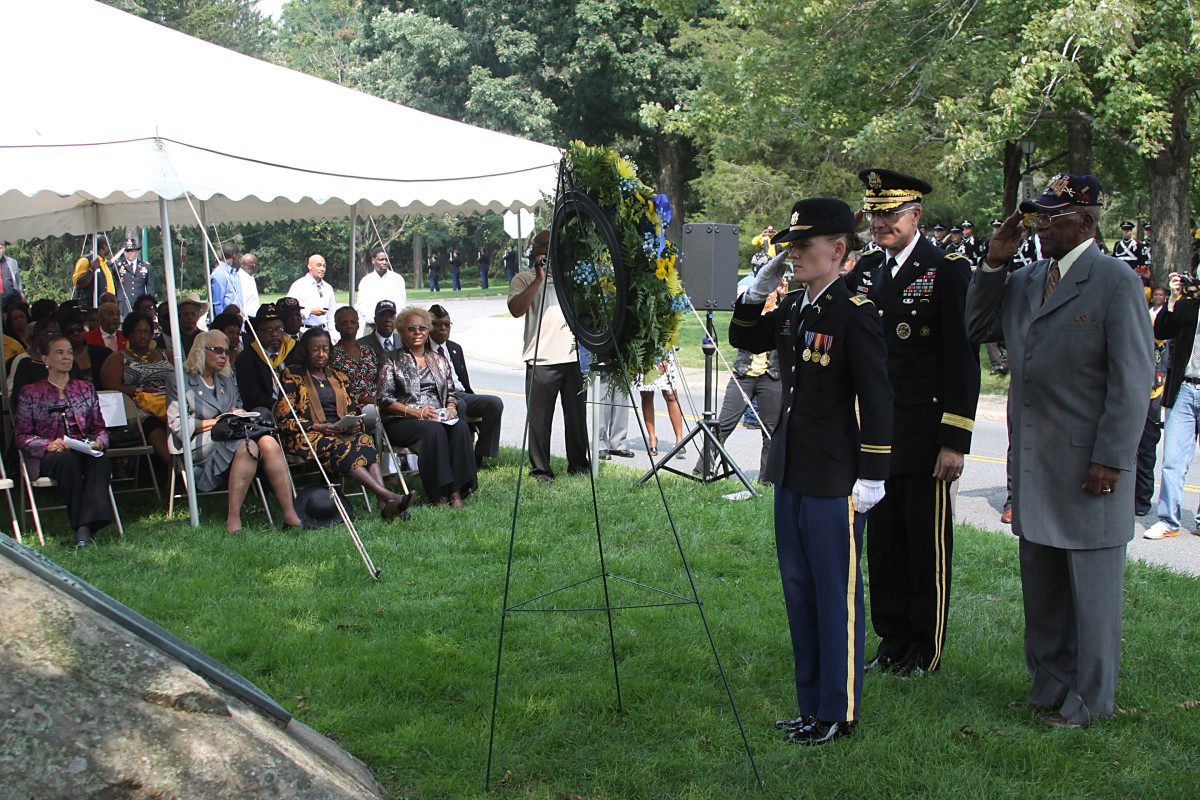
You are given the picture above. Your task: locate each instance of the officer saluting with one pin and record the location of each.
(920, 294)
(827, 474)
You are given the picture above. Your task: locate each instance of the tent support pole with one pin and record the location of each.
(208, 313)
(185, 433)
(353, 254)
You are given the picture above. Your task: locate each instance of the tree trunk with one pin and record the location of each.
(1167, 183)
(1012, 177)
(1079, 146)
(418, 258)
(671, 182)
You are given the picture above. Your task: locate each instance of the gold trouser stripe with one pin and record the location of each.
(966, 423)
(940, 501)
(745, 323)
(853, 660)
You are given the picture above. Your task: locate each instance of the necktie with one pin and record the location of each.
(1052, 277)
(891, 266)
(387, 344)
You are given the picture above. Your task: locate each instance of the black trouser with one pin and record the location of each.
(543, 386)
(489, 408)
(910, 543)
(444, 457)
(1147, 454)
(83, 481)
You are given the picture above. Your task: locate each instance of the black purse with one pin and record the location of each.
(239, 427)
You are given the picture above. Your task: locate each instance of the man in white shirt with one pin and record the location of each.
(250, 301)
(381, 283)
(315, 295)
(384, 340)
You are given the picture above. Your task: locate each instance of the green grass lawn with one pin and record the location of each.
(400, 671)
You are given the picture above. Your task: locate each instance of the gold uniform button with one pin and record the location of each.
(881, 312)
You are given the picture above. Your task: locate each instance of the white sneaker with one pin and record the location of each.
(1160, 530)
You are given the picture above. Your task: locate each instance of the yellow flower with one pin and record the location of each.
(661, 272)
(625, 169)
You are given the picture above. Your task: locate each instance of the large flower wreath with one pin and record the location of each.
(655, 301)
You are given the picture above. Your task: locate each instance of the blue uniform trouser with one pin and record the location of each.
(818, 540)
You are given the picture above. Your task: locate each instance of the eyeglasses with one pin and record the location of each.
(272, 329)
(1044, 220)
(417, 329)
(221, 351)
(887, 216)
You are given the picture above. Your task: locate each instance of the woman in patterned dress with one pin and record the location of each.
(666, 381)
(361, 364)
(320, 395)
(141, 372)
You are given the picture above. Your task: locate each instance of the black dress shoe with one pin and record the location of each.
(621, 453)
(290, 528)
(604, 455)
(880, 664)
(818, 732)
(794, 724)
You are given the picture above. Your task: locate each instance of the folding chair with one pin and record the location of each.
(47, 483)
(6, 483)
(177, 470)
(131, 419)
(305, 468)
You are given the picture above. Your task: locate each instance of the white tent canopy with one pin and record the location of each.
(107, 113)
(113, 121)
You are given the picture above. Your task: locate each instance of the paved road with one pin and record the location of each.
(492, 341)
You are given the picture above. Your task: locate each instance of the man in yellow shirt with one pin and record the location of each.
(84, 279)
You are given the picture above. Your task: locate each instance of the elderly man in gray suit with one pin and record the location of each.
(1079, 344)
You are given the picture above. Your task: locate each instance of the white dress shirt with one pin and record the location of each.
(374, 287)
(314, 295)
(250, 301)
(445, 353)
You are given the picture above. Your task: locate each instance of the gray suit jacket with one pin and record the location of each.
(372, 341)
(1082, 367)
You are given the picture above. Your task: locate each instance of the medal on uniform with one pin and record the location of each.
(808, 343)
(824, 342)
(903, 330)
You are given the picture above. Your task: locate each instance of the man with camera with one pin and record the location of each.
(1177, 320)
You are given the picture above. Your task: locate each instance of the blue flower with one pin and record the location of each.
(663, 206)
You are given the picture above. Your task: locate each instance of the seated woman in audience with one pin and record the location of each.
(88, 357)
(208, 392)
(415, 393)
(320, 395)
(30, 366)
(16, 318)
(360, 364)
(56, 407)
(230, 325)
(141, 372)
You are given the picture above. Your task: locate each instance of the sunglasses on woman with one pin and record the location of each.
(221, 351)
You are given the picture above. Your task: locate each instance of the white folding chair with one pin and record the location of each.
(120, 411)
(48, 483)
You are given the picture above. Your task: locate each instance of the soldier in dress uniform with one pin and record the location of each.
(134, 277)
(1144, 259)
(1127, 248)
(919, 293)
(828, 473)
(955, 244)
(939, 235)
(973, 248)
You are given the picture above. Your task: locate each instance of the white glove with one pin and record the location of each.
(866, 494)
(767, 280)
